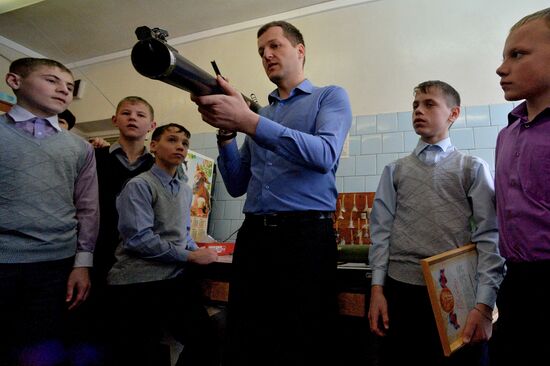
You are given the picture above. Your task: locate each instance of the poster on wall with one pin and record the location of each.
(200, 171)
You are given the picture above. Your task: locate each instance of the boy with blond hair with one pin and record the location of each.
(116, 164)
(434, 200)
(523, 195)
(48, 213)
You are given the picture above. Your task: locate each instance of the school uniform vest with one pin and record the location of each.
(112, 175)
(171, 215)
(432, 214)
(37, 179)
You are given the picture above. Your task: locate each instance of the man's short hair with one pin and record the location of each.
(24, 66)
(157, 133)
(69, 117)
(291, 32)
(133, 100)
(450, 93)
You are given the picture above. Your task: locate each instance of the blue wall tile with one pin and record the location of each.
(485, 137)
(354, 145)
(404, 121)
(371, 183)
(365, 124)
(365, 165)
(477, 116)
(462, 138)
(392, 142)
(354, 184)
(371, 144)
(386, 122)
(499, 113)
(346, 167)
(411, 140)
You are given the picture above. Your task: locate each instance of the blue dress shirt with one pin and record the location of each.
(290, 163)
(136, 220)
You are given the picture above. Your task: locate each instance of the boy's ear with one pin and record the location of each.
(13, 80)
(152, 127)
(153, 146)
(455, 112)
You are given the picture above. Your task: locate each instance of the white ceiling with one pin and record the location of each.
(73, 31)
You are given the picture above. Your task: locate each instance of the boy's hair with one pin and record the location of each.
(24, 66)
(291, 32)
(541, 14)
(69, 117)
(450, 93)
(157, 133)
(133, 100)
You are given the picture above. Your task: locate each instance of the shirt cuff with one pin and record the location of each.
(84, 259)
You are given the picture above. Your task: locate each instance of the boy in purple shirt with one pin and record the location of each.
(523, 194)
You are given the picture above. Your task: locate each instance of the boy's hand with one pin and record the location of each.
(479, 324)
(98, 142)
(378, 311)
(78, 287)
(203, 256)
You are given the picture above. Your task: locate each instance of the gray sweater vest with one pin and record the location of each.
(37, 178)
(432, 214)
(171, 215)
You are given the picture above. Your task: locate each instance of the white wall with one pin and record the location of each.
(377, 50)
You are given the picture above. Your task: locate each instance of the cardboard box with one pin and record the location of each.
(220, 248)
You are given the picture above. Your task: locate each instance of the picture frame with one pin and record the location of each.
(451, 279)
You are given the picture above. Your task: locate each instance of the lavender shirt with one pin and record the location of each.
(85, 189)
(522, 185)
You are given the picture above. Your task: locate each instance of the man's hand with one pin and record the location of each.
(227, 111)
(78, 287)
(203, 256)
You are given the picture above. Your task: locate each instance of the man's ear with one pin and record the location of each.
(13, 80)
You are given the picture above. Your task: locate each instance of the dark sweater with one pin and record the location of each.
(112, 176)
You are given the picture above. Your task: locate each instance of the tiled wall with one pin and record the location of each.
(374, 141)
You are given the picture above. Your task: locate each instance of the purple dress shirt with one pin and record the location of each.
(522, 186)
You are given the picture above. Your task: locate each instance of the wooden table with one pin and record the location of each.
(353, 285)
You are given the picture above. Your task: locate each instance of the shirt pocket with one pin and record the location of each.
(536, 178)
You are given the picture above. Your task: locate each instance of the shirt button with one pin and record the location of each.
(269, 163)
(266, 187)
(517, 154)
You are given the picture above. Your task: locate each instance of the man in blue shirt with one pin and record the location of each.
(282, 301)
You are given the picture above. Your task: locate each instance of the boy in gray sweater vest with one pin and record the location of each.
(431, 201)
(48, 214)
(151, 281)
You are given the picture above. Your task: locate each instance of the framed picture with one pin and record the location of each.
(200, 171)
(451, 281)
